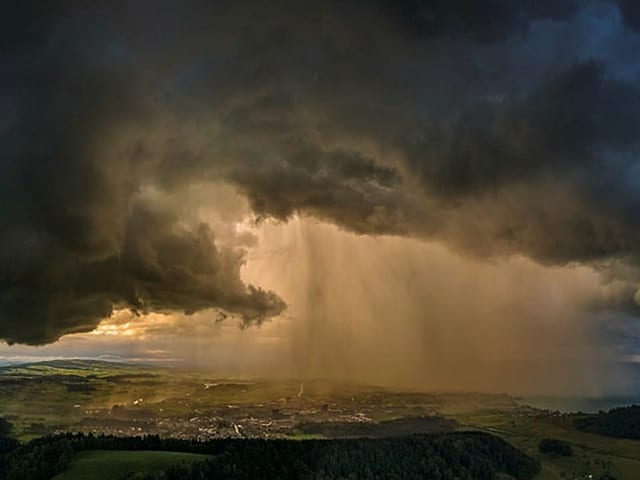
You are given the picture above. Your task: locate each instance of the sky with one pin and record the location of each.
(421, 193)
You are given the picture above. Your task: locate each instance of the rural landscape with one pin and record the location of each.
(115, 420)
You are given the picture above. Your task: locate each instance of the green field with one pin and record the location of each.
(593, 454)
(109, 465)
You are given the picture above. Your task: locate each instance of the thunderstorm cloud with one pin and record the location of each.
(499, 128)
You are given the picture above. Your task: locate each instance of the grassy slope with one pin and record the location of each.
(108, 465)
(38, 393)
(621, 457)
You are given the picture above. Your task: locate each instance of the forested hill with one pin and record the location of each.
(440, 457)
(620, 423)
(460, 455)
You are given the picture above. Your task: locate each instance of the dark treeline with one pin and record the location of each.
(620, 423)
(553, 446)
(44, 457)
(7, 443)
(462, 456)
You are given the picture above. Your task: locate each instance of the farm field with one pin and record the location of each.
(106, 465)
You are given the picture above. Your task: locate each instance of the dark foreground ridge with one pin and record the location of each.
(621, 422)
(460, 455)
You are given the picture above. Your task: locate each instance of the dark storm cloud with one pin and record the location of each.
(631, 13)
(161, 266)
(488, 21)
(569, 122)
(77, 241)
(460, 121)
